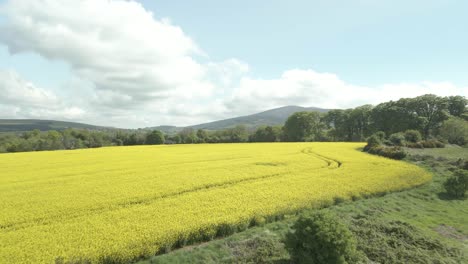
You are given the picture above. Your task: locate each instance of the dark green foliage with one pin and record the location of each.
(154, 137)
(319, 237)
(397, 139)
(455, 131)
(457, 185)
(390, 152)
(266, 134)
(349, 124)
(432, 143)
(381, 135)
(303, 126)
(457, 105)
(412, 136)
(202, 136)
(372, 142)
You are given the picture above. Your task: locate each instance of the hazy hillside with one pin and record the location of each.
(16, 125)
(271, 117)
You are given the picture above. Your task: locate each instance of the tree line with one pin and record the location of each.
(434, 117)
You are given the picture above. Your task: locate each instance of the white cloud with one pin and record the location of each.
(22, 99)
(326, 90)
(117, 45)
(131, 69)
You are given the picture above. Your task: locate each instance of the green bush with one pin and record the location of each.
(415, 145)
(432, 143)
(389, 152)
(319, 237)
(381, 135)
(457, 185)
(397, 139)
(372, 141)
(412, 136)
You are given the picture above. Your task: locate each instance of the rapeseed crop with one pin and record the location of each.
(121, 203)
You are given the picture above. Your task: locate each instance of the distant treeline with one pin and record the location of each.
(434, 117)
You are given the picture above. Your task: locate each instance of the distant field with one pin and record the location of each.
(122, 203)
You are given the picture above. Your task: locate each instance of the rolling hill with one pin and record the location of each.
(272, 117)
(18, 125)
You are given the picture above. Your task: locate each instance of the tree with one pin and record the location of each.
(154, 137)
(202, 135)
(303, 126)
(238, 134)
(319, 237)
(457, 105)
(266, 134)
(431, 111)
(455, 131)
(360, 122)
(188, 136)
(392, 117)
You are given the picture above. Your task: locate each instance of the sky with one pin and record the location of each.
(133, 64)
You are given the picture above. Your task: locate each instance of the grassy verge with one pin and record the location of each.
(420, 225)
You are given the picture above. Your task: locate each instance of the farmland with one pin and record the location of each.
(122, 203)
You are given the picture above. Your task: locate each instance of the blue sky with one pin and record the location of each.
(365, 42)
(122, 63)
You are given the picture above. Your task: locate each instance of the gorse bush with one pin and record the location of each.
(397, 139)
(381, 135)
(320, 238)
(412, 136)
(457, 185)
(372, 141)
(389, 152)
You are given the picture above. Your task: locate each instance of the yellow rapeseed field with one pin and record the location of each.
(122, 203)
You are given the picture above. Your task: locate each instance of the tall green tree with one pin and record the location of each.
(266, 134)
(431, 111)
(457, 105)
(154, 137)
(304, 126)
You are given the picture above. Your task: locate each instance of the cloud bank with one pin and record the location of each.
(136, 70)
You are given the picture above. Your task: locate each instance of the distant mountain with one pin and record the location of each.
(271, 117)
(18, 125)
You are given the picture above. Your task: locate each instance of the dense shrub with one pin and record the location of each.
(372, 141)
(457, 185)
(432, 143)
(415, 145)
(397, 139)
(412, 136)
(319, 237)
(381, 135)
(390, 152)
